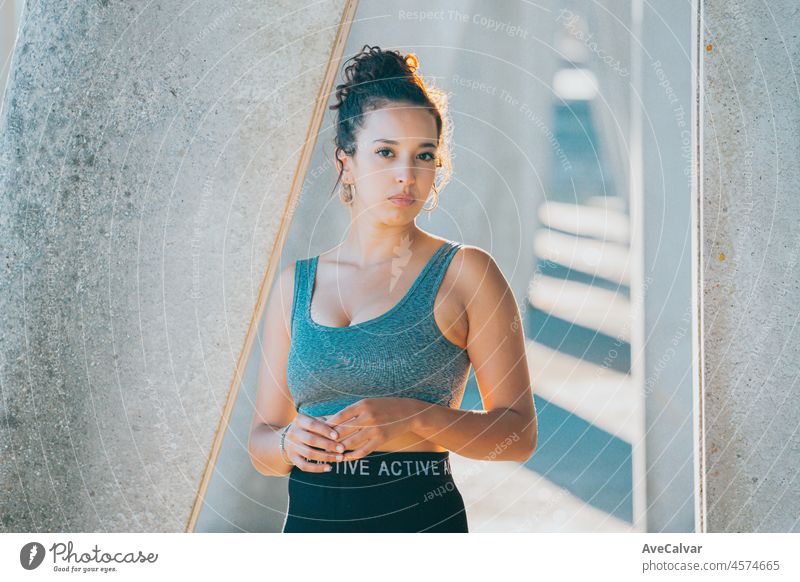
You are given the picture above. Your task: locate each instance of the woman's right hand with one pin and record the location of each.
(310, 438)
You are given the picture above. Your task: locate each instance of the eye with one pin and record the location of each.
(426, 156)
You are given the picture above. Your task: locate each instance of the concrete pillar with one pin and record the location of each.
(146, 156)
(661, 155)
(10, 11)
(747, 269)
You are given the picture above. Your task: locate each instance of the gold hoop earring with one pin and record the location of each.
(435, 201)
(346, 193)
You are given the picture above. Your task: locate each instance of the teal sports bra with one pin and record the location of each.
(401, 353)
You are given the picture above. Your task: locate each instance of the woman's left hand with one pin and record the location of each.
(365, 425)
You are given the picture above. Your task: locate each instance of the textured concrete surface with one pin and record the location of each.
(10, 12)
(750, 54)
(146, 156)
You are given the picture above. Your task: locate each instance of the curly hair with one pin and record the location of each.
(375, 78)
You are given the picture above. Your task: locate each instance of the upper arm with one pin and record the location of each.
(274, 402)
(495, 340)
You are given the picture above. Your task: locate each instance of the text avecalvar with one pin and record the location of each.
(671, 549)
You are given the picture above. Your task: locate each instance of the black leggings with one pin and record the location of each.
(381, 492)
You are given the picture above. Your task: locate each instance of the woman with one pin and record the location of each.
(365, 368)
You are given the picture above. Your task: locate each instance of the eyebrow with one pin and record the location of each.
(427, 144)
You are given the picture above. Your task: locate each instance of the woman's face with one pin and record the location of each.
(395, 156)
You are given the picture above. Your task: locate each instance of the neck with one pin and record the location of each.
(367, 244)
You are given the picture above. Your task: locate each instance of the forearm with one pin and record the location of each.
(502, 434)
(265, 452)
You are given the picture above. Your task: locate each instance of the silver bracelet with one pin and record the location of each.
(283, 445)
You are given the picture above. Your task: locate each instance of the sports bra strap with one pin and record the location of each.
(302, 292)
(428, 288)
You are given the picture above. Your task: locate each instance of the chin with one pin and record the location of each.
(397, 220)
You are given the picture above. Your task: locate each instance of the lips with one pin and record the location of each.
(404, 201)
(405, 196)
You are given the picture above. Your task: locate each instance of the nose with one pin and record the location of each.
(405, 174)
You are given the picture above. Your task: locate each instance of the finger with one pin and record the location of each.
(305, 437)
(335, 423)
(304, 465)
(358, 421)
(345, 430)
(317, 426)
(355, 440)
(318, 455)
(343, 415)
(365, 449)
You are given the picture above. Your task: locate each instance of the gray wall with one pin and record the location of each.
(750, 53)
(10, 12)
(663, 98)
(145, 168)
(613, 44)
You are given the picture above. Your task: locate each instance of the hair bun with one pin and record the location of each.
(374, 65)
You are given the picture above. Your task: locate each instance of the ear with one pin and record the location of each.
(343, 161)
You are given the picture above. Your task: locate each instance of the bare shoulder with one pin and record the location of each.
(472, 257)
(489, 306)
(476, 275)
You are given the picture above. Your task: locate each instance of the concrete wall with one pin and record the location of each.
(663, 105)
(749, 51)
(10, 12)
(611, 50)
(146, 157)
